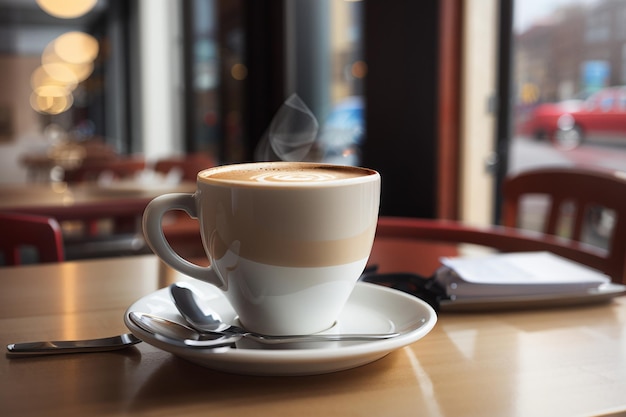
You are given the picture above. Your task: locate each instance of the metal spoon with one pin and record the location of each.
(71, 346)
(211, 323)
(177, 334)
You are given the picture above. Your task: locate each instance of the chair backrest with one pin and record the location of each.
(396, 247)
(21, 232)
(579, 199)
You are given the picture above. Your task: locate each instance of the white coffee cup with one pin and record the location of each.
(286, 241)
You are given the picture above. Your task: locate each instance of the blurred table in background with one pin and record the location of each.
(105, 217)
(66, 156)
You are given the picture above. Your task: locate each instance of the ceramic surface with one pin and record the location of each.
(370, 309)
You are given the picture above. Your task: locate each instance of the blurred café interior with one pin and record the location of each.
(107, 104)
(155, 90)
(167, 79)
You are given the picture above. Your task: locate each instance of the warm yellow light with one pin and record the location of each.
(40, 103)
(66, 9)
(41, 77)
(239, 72)
(81, 71)
(70, 284)
(61, 104)
(51, 91)
(359, 69)
(51, 104)
(76, 47)
(61, 72)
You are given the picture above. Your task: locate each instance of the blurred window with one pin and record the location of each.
(323, 64)
(563, 63)
(205, 60)
(622, 99)
(326, 68)
(598, 27)
(606, 103)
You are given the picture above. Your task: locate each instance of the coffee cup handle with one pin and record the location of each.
(153, 232)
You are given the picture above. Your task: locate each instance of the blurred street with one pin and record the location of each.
(528, 153)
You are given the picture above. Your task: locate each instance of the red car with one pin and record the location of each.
(569, 123)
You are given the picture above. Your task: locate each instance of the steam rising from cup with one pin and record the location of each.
(291, 134)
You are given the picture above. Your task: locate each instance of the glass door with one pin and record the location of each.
(569, 103)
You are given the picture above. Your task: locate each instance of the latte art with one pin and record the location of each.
(278, 174)
(294, 176)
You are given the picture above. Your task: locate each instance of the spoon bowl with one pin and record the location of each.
(178, 334)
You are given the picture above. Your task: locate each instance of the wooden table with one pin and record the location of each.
(560, 362)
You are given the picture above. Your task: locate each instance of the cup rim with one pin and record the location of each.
(368, 175)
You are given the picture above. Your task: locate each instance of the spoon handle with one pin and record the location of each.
(71, 346)
(327, 337)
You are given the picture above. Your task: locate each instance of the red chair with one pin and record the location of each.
(21, 231)
(577, 199)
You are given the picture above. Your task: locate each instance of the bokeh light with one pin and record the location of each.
(41, 78)
(359, 69)
(239, 72)
(66, 9)
(76, 47)
(65, 62)
(50, 101)
(81, 71)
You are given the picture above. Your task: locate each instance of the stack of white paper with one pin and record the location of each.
(516, 274)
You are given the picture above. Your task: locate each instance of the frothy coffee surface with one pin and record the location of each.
(285, 173)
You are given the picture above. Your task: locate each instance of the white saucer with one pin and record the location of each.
(370, 309)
